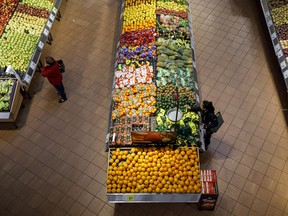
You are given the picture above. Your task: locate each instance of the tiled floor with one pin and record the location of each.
(55, 163)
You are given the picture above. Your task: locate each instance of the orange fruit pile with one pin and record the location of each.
(152, 170)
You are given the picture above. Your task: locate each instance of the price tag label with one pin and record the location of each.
(33, 65)
(27, 78)
(54, 10)
(107, 138)
(269, 23)
(283, 65)
(196, 85)
(118, 44)
(41, 45)
(49, 24)
(285, 73)
(121, 15)
(130, 198)
(46, 32)
(52, 17)
(274, 35)
(280, 53)
(277, 47)
(267, 14)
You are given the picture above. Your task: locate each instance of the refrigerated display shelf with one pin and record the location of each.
(275, 41)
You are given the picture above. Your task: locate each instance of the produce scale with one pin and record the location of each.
(153, 139)
(24, 30)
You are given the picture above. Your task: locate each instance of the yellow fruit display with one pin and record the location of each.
(139, 16)
(154, 170)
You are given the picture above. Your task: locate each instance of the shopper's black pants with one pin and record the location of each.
(207, 139)
(61, 91)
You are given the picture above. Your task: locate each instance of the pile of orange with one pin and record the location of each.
(136, 100)
(152, 170)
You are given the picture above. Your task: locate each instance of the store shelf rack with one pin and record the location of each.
(275, 41)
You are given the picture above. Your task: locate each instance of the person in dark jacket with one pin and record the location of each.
(209, 120)
(54, 76)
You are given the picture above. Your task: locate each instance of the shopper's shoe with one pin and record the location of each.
(62, 100)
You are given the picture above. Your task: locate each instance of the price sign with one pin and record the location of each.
(269, 23)
(267, 14)
(196, 85)
(41, 45)
(54, 9)
(118, 44)
(277, 47)
(121, 15)
(46, 32)
(27, 78)
(280, 53)
(107, 138)
(33, 65)
(283, 64)
(274, 35)
(130, 198)
(285, 73)
(49, 24)
(52, 17)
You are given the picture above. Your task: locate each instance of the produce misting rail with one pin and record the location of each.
(278, 49)
(152, 197)
(34, 65)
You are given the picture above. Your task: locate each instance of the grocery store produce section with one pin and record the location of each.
(276, 16)
(24, 29)
(153, 137)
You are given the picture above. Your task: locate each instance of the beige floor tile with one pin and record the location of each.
(246, 199)
(240, 209)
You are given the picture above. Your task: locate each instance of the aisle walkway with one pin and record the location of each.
(55, 164)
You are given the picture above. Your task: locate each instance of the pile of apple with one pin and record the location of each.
(6, 9)
(45, 4)
(18, 42)
(153, 170)
(279, 13)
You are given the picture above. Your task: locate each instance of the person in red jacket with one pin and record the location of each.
(54, 76)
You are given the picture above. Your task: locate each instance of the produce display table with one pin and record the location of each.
(275, 13)
(14, 100)
(24, 30)
(153, 139)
